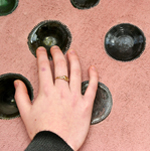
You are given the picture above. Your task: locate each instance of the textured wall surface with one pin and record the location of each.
(128, 126)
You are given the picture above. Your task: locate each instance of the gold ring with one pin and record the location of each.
(63, 78)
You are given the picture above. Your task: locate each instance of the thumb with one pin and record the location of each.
(22, 98)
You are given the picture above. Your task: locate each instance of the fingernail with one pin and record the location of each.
(93, 68)
(16, 83)
(41, 48)
(71, 51)
(55, 47)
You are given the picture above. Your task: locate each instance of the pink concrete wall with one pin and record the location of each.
(128, 126)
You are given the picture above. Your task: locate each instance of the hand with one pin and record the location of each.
(59, 107)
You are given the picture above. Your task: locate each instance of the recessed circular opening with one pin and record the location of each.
(84, 4)
(7, 6)
(47, 34)
(8, 107)
(125, 42)
(102, 103)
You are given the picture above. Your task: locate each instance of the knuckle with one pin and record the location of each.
(45, 90)
(76, 72)
(75, 99)
(44, 63)
(63, 94)
(61, 63)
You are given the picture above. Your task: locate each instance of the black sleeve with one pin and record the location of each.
(48, 141)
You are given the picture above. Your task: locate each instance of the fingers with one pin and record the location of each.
(44, 70)
(22, 97)
(93, 85)
(75, 72)
(60, 65)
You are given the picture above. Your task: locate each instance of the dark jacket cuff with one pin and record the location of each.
(48, 141)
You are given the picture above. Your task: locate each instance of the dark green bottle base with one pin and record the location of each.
(125, 42)
(102, 103)
(47, 34)
(84, 4)
(8, 106)
(8, 6)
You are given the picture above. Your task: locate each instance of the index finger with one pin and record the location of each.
(44, 69)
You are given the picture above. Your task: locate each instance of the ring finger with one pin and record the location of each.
(60, 65)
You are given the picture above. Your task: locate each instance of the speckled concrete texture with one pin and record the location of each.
(128, 126)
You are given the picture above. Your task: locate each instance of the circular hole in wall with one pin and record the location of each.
(102, 103)
(7, 6)
(84, 4)
(8, 107)
(125, 42)
(47, 34)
